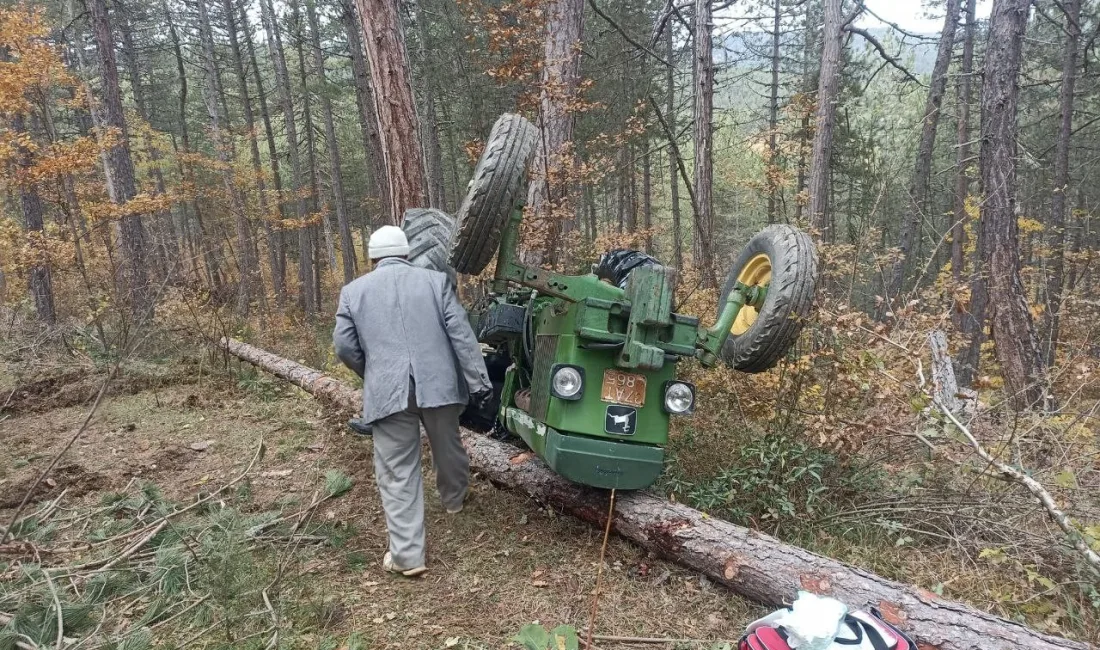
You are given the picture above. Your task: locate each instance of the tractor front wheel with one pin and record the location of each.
(493, 192)
(782, 260)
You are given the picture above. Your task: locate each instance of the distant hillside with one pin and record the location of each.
(750, 48)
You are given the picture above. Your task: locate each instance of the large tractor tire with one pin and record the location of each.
(429, 232)
(783, 259)
(497, 185)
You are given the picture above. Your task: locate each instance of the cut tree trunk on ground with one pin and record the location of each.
(751, 564)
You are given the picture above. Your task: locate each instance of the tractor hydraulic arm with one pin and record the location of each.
(712, 340)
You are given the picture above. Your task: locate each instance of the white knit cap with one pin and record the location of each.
(388, 241)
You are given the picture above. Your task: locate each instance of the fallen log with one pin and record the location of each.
(749, 563)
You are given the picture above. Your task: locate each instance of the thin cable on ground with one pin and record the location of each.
(599, 573)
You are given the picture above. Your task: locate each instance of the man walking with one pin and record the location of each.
(403, 331)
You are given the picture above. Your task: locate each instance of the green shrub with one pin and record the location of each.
(767, 479)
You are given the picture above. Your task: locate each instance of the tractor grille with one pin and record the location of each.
(546, 349)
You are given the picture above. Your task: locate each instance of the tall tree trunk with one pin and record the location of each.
(205, 244)
(548, 194)
(377, 186)
(1057, 225)
(39, 280)
(347, 244)
(703, 67)
(771, 170)
(962, 184)
(631, 176)
(590, 210)
(394, 105)
(307, 298)
(1078, 240)
(319, 259)
(673, 178)
(1013, 331)
(231, 18)
(276, 244)
(433, 155)
(825, 119)
(212, 90)
(917, 205)
(647, 199)
(120, 166)
(164, 240)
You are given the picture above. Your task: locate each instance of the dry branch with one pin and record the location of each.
(751, 564)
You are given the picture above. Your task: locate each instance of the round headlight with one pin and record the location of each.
(567, 382)
(679, 397)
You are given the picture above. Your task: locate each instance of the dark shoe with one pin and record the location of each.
(360, 427)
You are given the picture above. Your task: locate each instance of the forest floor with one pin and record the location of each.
(500, 564)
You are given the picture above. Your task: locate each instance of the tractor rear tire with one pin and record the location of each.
(429, 232)
(497, 185)
(784, 258)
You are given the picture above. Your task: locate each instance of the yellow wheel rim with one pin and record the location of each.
(757, 273)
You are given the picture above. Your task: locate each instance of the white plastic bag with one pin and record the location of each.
(811, 623)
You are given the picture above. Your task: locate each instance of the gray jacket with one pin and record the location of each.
(401, 321)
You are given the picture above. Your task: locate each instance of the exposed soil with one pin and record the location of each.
(78, 388)
(74, 480)
(502, 563)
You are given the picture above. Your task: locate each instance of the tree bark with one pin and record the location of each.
(231, 19)
(276, 248)
(433, 154)
(674, 182)
(962, 184)
(164, 246)
(319, 259)
(824, 121)
(1057, 225)
(548, 193)
(120, 166)
(377, 186)
(347, 244)
(771, 170)
(39, 280)
(1013, 331)
(1079, 229)
(647, 199)
(210, 255)
(212, 90)
(307, 298)
(754, 565)
(394, 104)
(703, 127)
(917, 204)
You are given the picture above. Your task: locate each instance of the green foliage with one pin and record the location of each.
(337, 483)
(210, 562)
(535, 637)
(770, 477)
(258, 385)
(140, 639)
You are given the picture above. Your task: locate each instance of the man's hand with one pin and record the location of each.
(482, 399)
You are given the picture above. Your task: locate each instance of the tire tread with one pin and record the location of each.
(789, 302)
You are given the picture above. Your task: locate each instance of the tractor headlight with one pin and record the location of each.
(566, 382)
(679, 397)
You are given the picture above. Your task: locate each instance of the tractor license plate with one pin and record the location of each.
(623, 388)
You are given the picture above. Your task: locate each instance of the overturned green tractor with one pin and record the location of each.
(584, 367)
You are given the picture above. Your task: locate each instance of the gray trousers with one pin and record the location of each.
(397, 471)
